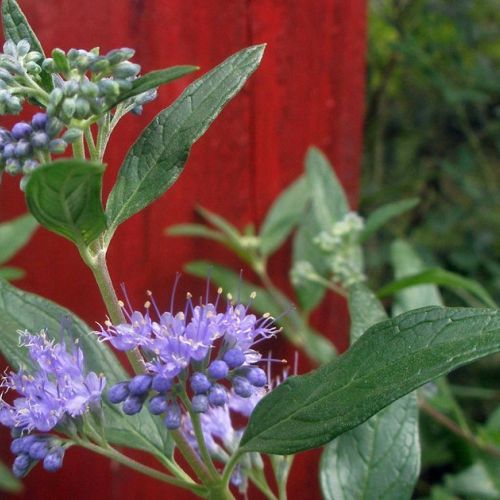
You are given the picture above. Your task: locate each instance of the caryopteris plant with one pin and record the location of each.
(201, 389)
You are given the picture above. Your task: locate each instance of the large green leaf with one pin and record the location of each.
(389, 361)
(384, 214)
(65, 197)
(380, 458)
(16, 28)
(153, 80)
(14, 234)
(25, 311)
(327, 194)
(157, 158)
(283, 216)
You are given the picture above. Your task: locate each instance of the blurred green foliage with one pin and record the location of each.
(433, 131)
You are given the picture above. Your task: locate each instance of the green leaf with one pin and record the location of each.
(17, 28)
(8, 482)
(153, 80)
(25, 311)
(380, 458)
(14, 234)
(283, 216)
(196, 230)
(221, 224)
(157, 158)
(438, 276)
(327, 194)
(65, 197)
(390, 360)
(309, 294)
(10, 273)
(384, 214)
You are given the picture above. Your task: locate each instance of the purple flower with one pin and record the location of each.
(57, 389)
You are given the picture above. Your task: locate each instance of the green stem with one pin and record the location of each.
(79, 148)
(260, 481)
(228, 469)
(94, 155)
(115, 455)
(98, 265)
(191, 457)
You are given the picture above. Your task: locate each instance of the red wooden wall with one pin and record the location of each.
(308, 90)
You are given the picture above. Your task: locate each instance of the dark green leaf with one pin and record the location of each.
(438, 276)
(309, 294)
(25, 311)
(327, 194)
(14, 234)
(7, 480)
(153, 80)
(283, 216)
(384, 214)
(11, 273)
(17, 28)
(157, 158)
(390, 360)
(380, 458)
(65, 197)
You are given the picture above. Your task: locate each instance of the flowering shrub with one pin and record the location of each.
(197, 370)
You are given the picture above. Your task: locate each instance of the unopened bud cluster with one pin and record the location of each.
(341, 246)
(31, 449)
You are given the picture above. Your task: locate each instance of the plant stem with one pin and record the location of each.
(260, 481)
(79, 148)
(228, 469)
(115, 455)
(99, 268)
(453, 427)
(94, 155)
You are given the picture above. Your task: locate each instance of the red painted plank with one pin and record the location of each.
(309, 90)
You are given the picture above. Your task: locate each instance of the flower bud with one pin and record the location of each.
(68, 109)
(72, 134)
(22, 149)
(157, 405)
(133, 405)
(218, 369)
(200, 383)
(49, 65)
(118, 393)
(82, 108)
(70, 88)
(234, 357)
(33, 68)
(217, 396)
(22, 444)
(172, 418)
(21, 465)
(23, 47)
(125, 70)
(39, 121)
(9, 48)
(242, 387)
(119, 55)
(199, 403)
(54, 459)
(39, 140)
(89, 89)
(39, 449)
(140, 385)
(21, 130)
(257, 377)
(99, 65)
(57, 146)
(109, 88)
(161, 383)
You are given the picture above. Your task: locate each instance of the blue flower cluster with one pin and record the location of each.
(57, 392)
(26, 145)
(194, 358)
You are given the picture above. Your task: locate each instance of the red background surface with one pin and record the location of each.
(308, 90)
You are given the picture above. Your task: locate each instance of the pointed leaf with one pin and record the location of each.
(285, 213)
(14, 234)
(10, 273)
(8, 482)
(196, 230)
(17, 28)
(153, 80)
(65, 197)
(25, 311)
(390, 360)
(157, 158)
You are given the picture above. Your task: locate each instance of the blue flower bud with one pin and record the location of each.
(39, 121)
(234, 357)
(39, 449)
(54, 459)
(157, 405)
(133, 405)
(22, 444)
(173, 417)
(161, 383)
(140, 385)
(9, 151)
(57, 146)
(199, 383)
(23, 148)
(218, 369)
(257, 377)
(21, 465)
(21, 130)
(39, 140)
(199, 403)
(242, 387)
(118, 393)
(217, 396)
